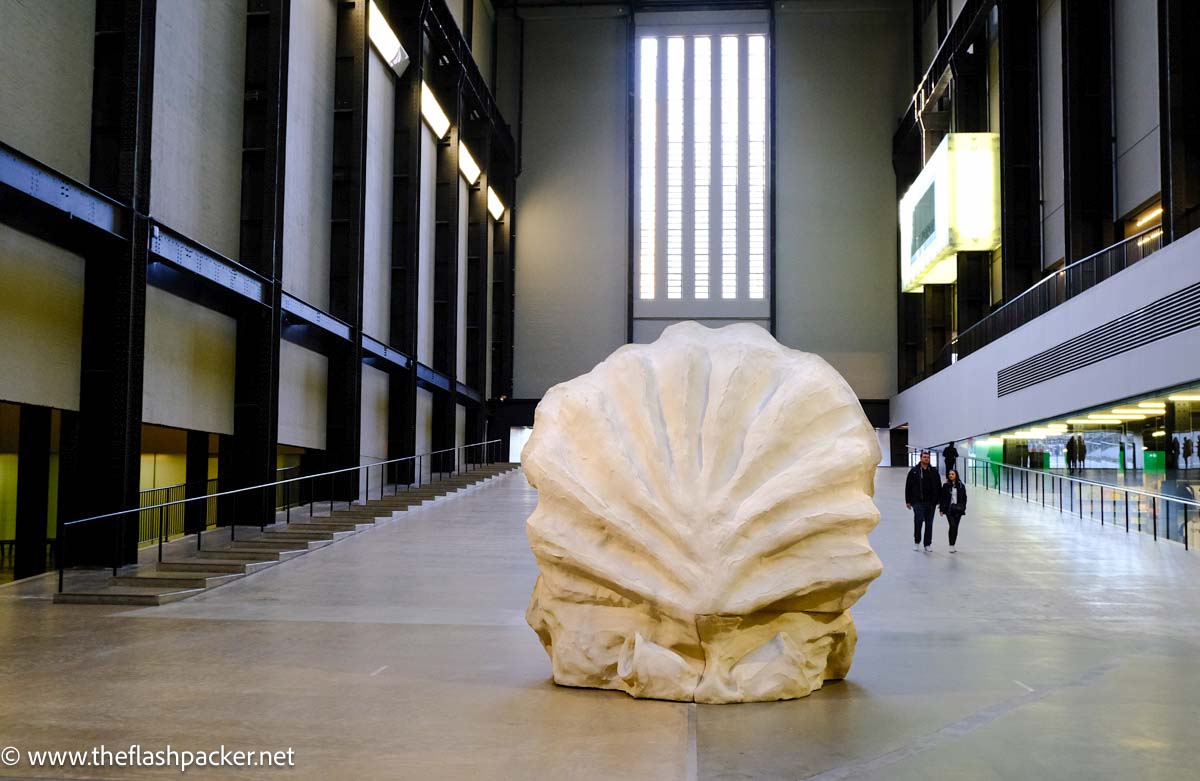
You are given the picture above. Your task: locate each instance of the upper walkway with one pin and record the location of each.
(1048, 647)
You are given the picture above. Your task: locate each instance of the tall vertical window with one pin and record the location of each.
(701, 158)
(702, 190)
(648, 91)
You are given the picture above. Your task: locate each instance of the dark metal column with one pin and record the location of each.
(1179, 115)
(33, 491)
(969, 110)
(196, 479)
(1087, 127)
(406, 216)
(445, 84)
(344, 403)
(1020, 146)
(256, 384)
(478, 239)
(114, 306)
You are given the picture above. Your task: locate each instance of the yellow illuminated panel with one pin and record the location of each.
(385, 40)
(438, 122)
(953, 206)
(467, 165)
(495, 205)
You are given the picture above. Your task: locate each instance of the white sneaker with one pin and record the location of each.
(953, 549)
(916, 546)
(927, 549)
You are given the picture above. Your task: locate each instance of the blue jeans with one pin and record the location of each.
(923, 515)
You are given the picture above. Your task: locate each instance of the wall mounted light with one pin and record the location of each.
(1150, 215)
(495, 205)
(437, 120)
(384, 38)
(467, 165)
(1184, 397)
(1159, 434)
(1152, 405)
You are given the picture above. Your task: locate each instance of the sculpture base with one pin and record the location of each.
(608, 643)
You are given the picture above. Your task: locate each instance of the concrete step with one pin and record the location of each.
(193, 580)
(298, 534)
(234, 566)
(249, 555)
(348, 525)
(126, 595)
(301, 546)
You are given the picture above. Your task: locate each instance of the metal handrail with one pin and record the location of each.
(1037, 479)
(1009, 307)
(487, 449)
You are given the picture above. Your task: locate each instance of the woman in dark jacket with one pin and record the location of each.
(953, 504)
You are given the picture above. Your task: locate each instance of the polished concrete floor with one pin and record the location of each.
(1047, 648)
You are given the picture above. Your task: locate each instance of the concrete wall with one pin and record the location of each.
(303, 387)
(46, 88)
(424, 428)
(835, 188)
(374, 420)
(377, 240)
(196, 137)
(41, 320)
(572, 199)
(308, 190)
(961, 401)
(1053, 190)
(1135, 77)
(189, 369)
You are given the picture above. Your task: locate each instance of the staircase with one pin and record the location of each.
(171, 581)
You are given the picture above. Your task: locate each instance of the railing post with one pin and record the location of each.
(161, 531)
(1127, 512)
(1154, 515)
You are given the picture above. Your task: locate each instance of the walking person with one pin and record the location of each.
(922, 491)
(953, 505)
(1071, 455)
(950, 457)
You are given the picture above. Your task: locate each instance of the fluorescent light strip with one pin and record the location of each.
(495, 205)
(437, 120)
(385, 40)
(1149, 237)
(1184, 397)
(467, 165)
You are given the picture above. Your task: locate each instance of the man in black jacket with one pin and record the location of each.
(922, 491)
(950, 458)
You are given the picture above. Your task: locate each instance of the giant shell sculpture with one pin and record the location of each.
(702, 518)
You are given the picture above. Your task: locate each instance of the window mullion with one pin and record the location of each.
(688, 183)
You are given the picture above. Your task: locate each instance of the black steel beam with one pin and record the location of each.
(264, 129)
(167, 245)
(405, 19)
(1087, 127)
(1020, 145)
(1179, 115)
(53, 206)
(298, 311)
(390, 359)
(114, 305)
(344, 398)
(195, 514)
